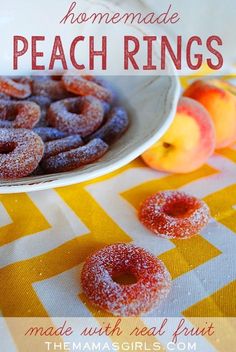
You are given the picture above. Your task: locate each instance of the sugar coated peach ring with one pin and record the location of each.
(49, 133)
(173, 214)
(116, 124)
(88, 85)
(49, 87)
(100, 269)
(14, 88)
(82, 115)
(62, 145)
(75, 158)
(20, 152)
(22, 114)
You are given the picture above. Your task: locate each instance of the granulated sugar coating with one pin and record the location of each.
(82, 115)
(21, 114)
(152, 286)
(75, 158)
(49, 87)
(20, 152)
(173, 214)
(88, 85)
(117, 123)
(76, 117)
(62, 145)
(49, 133)
(14, 88)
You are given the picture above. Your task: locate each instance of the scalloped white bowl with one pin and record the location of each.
(151, 104)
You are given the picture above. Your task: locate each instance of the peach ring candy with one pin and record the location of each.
(116, 124)
(22, 114)
(14, 87)
(82, 115)
(20, 152)
(102, 269)
(62, 145)
(75, 158)
(49, 133)
(49, 87)
(173, 214)
(88, 85)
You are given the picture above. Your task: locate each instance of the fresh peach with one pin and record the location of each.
(187, 144)
(218, 98)
(220, 83)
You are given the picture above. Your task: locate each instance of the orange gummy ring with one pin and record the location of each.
(173, 214)
(100, 269)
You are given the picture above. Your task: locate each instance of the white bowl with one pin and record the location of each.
(151, 104)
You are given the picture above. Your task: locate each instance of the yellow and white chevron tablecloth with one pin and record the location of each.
(45, 237)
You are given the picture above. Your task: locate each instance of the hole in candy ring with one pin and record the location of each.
(56, 78)
(124, 278)
(174, 214)
(180, 208)
(7, 148)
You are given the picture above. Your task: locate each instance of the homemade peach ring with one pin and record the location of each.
(62, 145)
(116, 124)
(76, 119)
(173, 214)
(51, 87)
(20, 152)
(103, 267)
(21, 114)
(49, 133)
(88, 85)
(76, 157)
(14, 87)
(82, 115)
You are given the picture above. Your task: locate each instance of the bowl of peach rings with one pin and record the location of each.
(60, 130)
